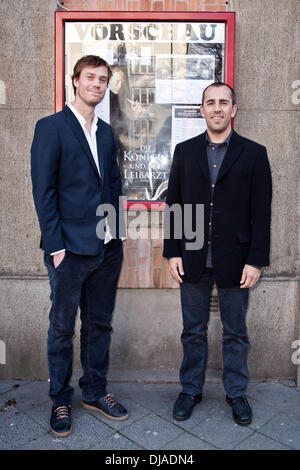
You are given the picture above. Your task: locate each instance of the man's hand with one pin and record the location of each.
(250, 276)
(57, 259)
(176, 268)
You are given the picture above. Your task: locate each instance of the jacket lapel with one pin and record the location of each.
(101, 145)
(79, 135)
(202, 161)
(235, 147)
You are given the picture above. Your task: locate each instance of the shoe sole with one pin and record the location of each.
(93, 408)
(242, 423)
(61, 434)
(179, 418)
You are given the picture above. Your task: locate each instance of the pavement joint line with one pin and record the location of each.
(276, 440)
(37, 422)
(177, 424)
(150, 414)
(161, 448)
(51, 436)
(169, 442)
(131, 440)
(173, 440)
(273, 407)
(210, 443)
(203, 440)
(279, 412)
(98, 416)
(246, 438)
(119, 431)
(264, 403)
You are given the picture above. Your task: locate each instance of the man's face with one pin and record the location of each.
(91, 85)
(217, 109)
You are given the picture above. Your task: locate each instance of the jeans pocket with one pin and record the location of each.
(61, 264)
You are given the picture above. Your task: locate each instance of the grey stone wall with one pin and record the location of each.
(27, 69)
(147, 322)
(267, 64)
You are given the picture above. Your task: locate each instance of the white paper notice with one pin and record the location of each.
(181, 79)
(187, 122)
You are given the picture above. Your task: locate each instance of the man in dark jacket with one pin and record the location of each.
(74, 173)
(230, 176)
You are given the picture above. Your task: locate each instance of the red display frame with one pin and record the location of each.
(62, 17)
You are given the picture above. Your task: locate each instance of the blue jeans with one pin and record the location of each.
(88, 282)
(195, 302)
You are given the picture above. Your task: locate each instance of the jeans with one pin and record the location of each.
(195, 302)
(88, 282)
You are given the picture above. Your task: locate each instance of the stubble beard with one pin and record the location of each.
(219, 130)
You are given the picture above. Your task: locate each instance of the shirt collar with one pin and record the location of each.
(80, 118)
(226, 141)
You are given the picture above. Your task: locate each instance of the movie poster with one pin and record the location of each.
(159, 73)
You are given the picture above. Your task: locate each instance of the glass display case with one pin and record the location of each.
(161, 63)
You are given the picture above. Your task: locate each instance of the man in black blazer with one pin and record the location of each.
(74, 172)
(230, 176)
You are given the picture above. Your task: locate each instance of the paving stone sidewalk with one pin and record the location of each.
(25, 411)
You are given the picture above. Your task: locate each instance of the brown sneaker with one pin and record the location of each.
(108, 406)
(60, 421)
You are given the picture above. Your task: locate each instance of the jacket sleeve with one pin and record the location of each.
(116, 192)
(172, 243)
(45, 157)
(115, 178)
(261, 197)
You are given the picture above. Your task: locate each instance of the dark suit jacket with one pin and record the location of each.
(67, 187)
(241, 207)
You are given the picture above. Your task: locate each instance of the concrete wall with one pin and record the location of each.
(267, 50)
(147, 322)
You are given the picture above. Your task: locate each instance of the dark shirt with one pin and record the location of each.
(215, 156)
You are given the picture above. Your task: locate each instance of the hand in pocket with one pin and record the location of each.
(57, 259)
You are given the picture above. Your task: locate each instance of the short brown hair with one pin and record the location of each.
(218, 84)
(89, 61)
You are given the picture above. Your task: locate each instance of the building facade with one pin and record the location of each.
(147, 319)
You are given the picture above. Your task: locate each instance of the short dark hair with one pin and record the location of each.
(89, 61)
(218, 84)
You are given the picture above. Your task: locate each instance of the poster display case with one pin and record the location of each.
(161, 63)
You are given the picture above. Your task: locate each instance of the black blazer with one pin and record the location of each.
(241, 208)
(67, 187)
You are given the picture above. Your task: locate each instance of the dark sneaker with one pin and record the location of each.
(241, 410)
(184, 405)
(60, 421)
(108, 406)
